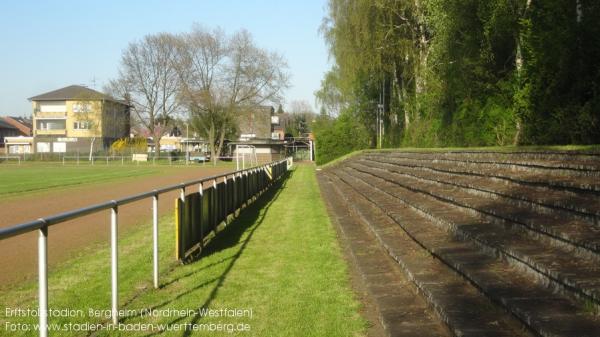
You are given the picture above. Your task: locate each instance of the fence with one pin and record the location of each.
(251, 186)
(165, 159)
(199, 214)
(8, 158)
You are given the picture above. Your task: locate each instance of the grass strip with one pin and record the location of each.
(279, 260)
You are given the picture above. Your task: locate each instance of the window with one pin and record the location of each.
(59, 147)
(82, 107)
(43, 147)
(50, 124)
(81, 125)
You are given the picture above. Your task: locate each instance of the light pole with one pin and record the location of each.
(187, 143)
(379, 125)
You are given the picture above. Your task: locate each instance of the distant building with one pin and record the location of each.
(75, 118)
(258, 135)
(15, 135)
(22, 123)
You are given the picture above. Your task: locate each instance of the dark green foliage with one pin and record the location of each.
(467, 72)
(339, 136)
(562, 73)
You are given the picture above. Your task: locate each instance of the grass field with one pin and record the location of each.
(279, 258)
(22, 179)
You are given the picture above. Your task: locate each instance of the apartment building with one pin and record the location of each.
(76, 118)
(258, 134)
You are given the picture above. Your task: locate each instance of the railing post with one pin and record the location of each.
(114, 212)
(201, 192)
(43, 280)
(155, 237)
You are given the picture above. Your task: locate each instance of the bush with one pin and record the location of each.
(337, 137)
(126, 146)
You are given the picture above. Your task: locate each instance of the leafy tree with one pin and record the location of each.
(466, 72)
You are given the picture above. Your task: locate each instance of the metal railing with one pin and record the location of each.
(17, 158)
(42, 224)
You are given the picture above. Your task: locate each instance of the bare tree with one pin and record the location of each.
(301, 107)
(149, 82)
(221, 75)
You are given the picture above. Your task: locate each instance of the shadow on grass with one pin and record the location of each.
(249, 220)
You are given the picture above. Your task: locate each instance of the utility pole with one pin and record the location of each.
(379, 125)
(187, 143)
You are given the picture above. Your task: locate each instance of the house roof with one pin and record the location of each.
(74, 92)
(23, 124)
(5, 125)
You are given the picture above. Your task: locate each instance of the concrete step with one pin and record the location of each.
(401, 311)
(580, 232)
(551, 179)
(460, 305)
(544, 155)
(553, 263)
(524, 295)
(565, 164)
(545, 199)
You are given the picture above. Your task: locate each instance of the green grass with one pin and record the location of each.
(279, 258)
(17, 180)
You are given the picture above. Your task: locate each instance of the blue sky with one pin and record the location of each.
(47, 45)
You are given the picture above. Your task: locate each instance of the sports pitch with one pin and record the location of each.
(18, 180)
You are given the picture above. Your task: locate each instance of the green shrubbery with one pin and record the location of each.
(467, 72)
(336, 137)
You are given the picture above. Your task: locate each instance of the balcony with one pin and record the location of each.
(50, 114)
(57, 132)
(50, 127)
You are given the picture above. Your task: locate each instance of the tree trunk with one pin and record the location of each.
(211, 140)
(220, 143)
(92, 148)
(519, 68)
(157, 148)
(400, 92)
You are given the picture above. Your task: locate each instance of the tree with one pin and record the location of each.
(148, 80)
(280, 109)
(223, 75)
(300, 118)
(466, 72)
(88, 110)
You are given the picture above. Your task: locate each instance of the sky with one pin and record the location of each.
(47, 45)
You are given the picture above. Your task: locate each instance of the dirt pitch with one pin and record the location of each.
(19, 254)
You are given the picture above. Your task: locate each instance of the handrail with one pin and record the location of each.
(42, 224)
(22, 228)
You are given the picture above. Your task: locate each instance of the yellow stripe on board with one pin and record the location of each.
(269, 172)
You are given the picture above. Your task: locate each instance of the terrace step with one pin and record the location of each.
(460, 305)
(579, 232)
(570, 180)
(554, 263)
(571, 161)
(522, 229)
(524, 295)
(536, 197)
(401, 310)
